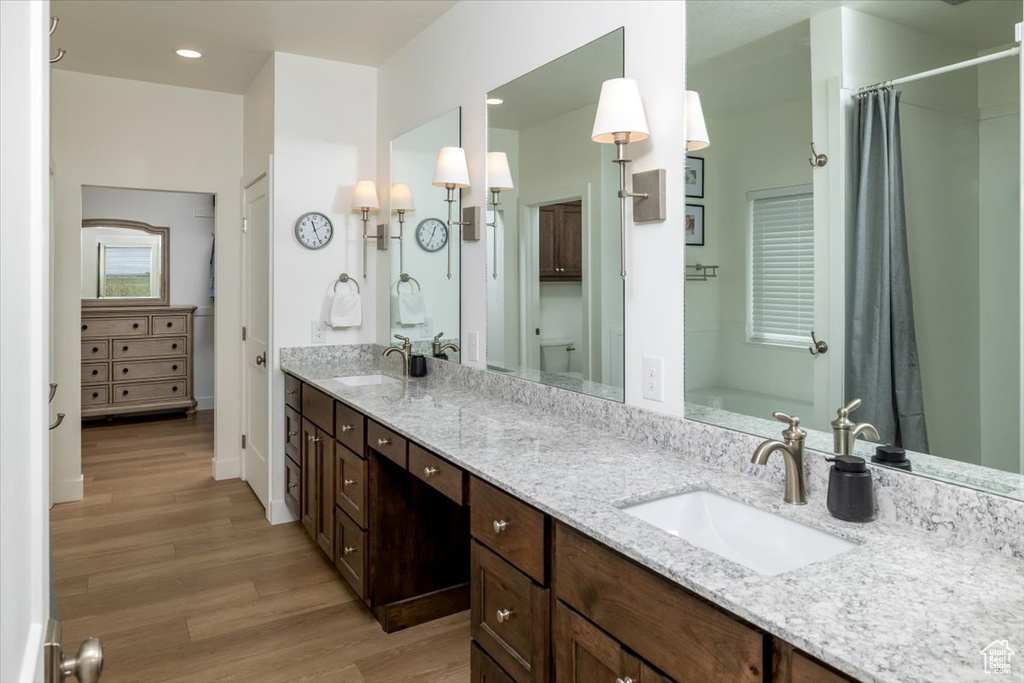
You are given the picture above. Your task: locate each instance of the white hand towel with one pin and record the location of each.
(412, 309)
(343, 309)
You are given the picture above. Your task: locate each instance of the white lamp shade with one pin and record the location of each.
(620, 110)
(365, 196)
(451, 168)
(696, 130)
(499, 175)
(401, 197)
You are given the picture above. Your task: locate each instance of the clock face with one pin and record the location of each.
(432, 234)
(314, 230)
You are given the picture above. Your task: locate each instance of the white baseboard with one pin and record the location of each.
(67, 490)
(227, 468)
(204, 402)
(280, 514)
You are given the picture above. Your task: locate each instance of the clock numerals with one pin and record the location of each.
(314, 230)
(431, 234)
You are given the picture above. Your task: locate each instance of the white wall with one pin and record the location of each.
(503, 291)
(189, 216)
(114, 132)
(461, 73)
(258, 124)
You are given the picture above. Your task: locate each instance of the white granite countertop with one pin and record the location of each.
(903, 605)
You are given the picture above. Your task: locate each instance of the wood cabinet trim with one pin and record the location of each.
(523, 536)
(437, 473)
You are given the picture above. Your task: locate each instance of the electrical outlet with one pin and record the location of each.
(654, 388)
(473, 347)
(427, 327)
(319, 334)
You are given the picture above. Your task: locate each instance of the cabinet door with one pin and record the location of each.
(548, 242)
(570, 242)
(585, 653)
(325, 493)
(292, 487)
(309, 502)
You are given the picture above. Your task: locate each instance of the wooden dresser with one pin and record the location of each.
(137, 360)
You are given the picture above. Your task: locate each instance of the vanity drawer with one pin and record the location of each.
(509, 527)
(292, 392)
(350, 426)
(149, 369)
(509, 616)
(693, 642)
(350, 552)
(350, 479)
(292, 434)
(95, 350)
(95, 396)
(387, 443)
(115, 327)
(292, 486)
(318, 408)
(170, 324)
(483, 669)
(95, 372)
(437, 473)
(146, 348)
(793, 666)
(148, 391)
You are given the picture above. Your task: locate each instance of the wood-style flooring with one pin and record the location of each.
(184, 579)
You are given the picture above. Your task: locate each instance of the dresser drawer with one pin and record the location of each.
(509, 527)
(95, 372)
(318, 408)
(483, 669)
(115, 327)
(509, 616)
(292, 486)
(95, 350)
(127, 371)
(292, 434)
(350, 552)
(292, 392)
(170, 324)
(95, 396)
(350, 427)
(148, 391)
(437, 473)
(387, 443)
(350, 479)
(148, 348)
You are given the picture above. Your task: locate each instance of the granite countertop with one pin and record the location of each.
(903, 605)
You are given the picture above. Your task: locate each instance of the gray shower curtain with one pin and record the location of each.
(882, 366)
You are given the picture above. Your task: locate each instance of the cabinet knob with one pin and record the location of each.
(174, 388)
(124, 348)
(95, 349)
(95, 372)
(347, 482)
(624, 679)
(174, 346)
(170, 324)
(95, 394)
(174, 367)
(135, 326)
(347, 428)
(85, 327)
(292, 486)
(500, 525)
(504, 615)
(348, 550)
(430, 471)
(383, 442)
(124, 393)
(316, 439)
(124, 371)
(291, 392)
(292, 434)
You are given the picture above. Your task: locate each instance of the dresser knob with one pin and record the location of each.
(383, 442)
(174, 388)
(95, 349)
(124, 348)
(504, 615)
(500, 525)
(174, 367)
(85, 327)
(124, 371)
(174, 346)
(124, 393)
(430, 471)
(348, 550)
(347, 482)
(95, 372)
(135, 326)
(170, 324)
(95, 394)
(347, 428)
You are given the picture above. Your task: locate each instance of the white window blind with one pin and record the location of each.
(781, 309)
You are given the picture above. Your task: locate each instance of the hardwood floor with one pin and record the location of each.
(184, 579)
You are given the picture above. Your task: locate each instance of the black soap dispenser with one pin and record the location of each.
(850, 494)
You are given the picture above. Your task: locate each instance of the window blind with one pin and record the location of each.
(128, 261)
(782, 266)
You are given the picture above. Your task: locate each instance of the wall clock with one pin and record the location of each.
(432, 234)
(314, 230)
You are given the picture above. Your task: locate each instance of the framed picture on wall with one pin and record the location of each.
(694, 225)
(695, 177)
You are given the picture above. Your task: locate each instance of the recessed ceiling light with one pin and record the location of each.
(494, 100)
(188, 54)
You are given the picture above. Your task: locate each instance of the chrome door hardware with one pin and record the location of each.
(347, 428)
(429, 471)
(817, 160)
(86, 666)
(819, 347)
(383, 442)
(261, 359)
(500, 525)
(504, 615)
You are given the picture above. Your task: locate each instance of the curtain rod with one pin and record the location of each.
(1011, 52)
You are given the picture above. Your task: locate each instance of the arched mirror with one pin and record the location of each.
(124, 263)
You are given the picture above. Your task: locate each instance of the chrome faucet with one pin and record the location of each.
(405, 349)
(845, 431)
(440, 348)
(793, 454)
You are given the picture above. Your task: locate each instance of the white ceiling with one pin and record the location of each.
(136, 39)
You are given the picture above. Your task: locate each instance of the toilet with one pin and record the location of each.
(554, 356)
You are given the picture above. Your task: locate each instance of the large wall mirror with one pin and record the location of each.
(554, 293)
(425, 251)
(124, 263)
(920, 315)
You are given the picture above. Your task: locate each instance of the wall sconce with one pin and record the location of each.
(621, 120)
(451, 173)
(499, 177)
(365, 199)
(696, 130)
(401, 203)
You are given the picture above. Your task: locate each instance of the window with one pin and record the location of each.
(781, 304)
(127, 272)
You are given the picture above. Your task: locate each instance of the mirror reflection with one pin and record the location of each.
(425, 294)
(894, 242)
(554, 293)
(123, 262)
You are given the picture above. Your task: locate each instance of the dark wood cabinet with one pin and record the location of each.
(561, 242)
(585, 653)
(483, 669)
(792, 666)
(350, 483)
(292, 486)
(309, 502)
(325, 491)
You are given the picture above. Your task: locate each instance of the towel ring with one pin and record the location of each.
(405, 277)
(345, 278)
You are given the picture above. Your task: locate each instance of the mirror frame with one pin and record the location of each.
(165, 258)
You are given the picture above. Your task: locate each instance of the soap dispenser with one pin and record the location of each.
(850, 494)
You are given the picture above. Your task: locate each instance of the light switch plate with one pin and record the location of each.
(651, 208)
(319, 332)
(654, 383)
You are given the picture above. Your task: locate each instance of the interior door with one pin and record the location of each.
(256, 321)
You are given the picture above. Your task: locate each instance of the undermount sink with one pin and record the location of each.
(366, 380)
(759, 540)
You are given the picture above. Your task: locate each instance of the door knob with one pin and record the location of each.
(261, 359)
(86, 665)
(819, 346)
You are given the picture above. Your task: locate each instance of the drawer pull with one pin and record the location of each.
(383, 442)
(174, 346)
(170, 324)
(504, 615)
(292, 392)
(95, 349)
(347, 428)
(95, 394)
(313, 438)
(500, 525)
(430, 471)
(124, 348)
(174, 388)
(292, 486)
(292, 435)
(135, 326)
(316, 439)
(84, 328)
(124, 371)
(347, 482)
(124, 393)
(95, 372)
(174, 367)
(348, 550)
(624, 679)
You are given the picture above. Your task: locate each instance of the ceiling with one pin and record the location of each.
(136, 39)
